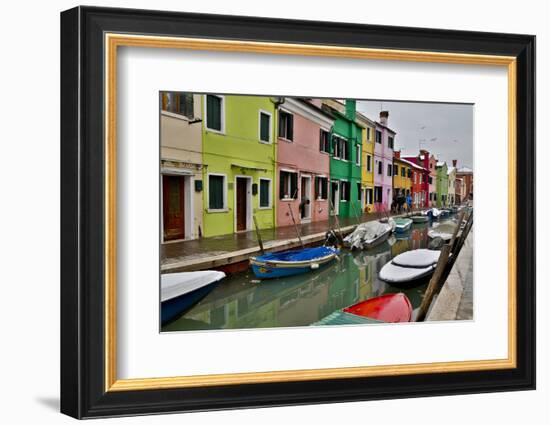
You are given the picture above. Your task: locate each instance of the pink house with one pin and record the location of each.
(383, 163)
(303, 161)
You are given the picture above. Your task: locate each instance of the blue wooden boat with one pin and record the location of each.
(288, 263)
(181, 291)
(402, 224)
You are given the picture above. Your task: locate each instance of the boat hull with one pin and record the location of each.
(420, 219)
(389, 308)
(378, 241)
(403, 228)
(272, 269)
(173, 308)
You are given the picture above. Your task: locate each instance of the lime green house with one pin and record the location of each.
(442, 184)
(238, 142)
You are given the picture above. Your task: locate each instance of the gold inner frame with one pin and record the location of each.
(113, 41)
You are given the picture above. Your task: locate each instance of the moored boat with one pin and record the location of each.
(410, 269)
(181, 291)
(288, 263)
(388, 308)
(369, 235)
(402, 224)
(420, 218)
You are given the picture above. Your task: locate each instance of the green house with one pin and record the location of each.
(442, 184)
(345, 161)
(238, 134)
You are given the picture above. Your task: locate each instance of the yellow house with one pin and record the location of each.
(367, 163)
(401, 176)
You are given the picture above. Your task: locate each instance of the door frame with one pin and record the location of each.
(336, 203)
(248, 203)
(188, 184)
(310, 206)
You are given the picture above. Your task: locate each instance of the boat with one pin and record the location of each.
(181, 291)
(288, 263)
(444, 231)
(420, 218)
(433, 213)
(388, 308)
(411, 268)
(402, 224)
(369, 235)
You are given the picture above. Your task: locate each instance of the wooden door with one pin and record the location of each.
(241, 204)
(173, 207)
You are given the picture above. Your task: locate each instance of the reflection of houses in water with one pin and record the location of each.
(400, 246)
(419, 237)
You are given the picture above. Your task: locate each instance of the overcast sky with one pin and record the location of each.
(446, 130)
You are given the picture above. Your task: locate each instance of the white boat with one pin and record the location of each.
(421, 218)
(369, 235)
(443, 230)
(402, 224)
(180, 291)
(411, 268)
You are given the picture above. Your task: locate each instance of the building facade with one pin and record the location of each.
(367, 163)
(181, 166)
(467, 175)
(425, 184)
(239, 153)
(402, 174)
(345, 161)
(303, 162)
(419, 175)
(442, 184)
(384, 140)
(451, 174)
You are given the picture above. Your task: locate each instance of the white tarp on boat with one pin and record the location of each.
(417, 258)
(392, 273)
(366, 233)
(173, 285)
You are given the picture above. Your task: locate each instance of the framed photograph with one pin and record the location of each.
(261, 212)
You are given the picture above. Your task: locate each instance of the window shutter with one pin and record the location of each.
(290, 129)
(281, 185)
(294, 185)
(215, 192)
(213, 112)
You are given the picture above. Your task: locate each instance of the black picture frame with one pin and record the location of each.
(83, 392)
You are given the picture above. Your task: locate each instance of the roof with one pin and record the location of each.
(412, 164)
(450, 170)
(385, 126)
(465, 170)
(440, 163)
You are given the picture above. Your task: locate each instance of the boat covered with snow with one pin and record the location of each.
(420, 218)
(181, 291)
(444, 230)
(411, 268)
(288, 263)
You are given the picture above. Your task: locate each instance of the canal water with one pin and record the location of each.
(240, 301)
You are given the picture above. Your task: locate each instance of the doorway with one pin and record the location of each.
(334, 197)
(242, 204)
(173, 207)
(305, 201)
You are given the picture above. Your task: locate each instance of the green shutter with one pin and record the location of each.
(213, 112)
(264, 193)
(215, 192)
(264, 127)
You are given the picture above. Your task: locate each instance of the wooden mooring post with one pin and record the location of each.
(258, 235)
(435, 283)
(295, 226)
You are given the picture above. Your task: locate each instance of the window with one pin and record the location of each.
(178, 103)
(358, 155)
(359, 192)
(288, 185)
(395, 170)
(390, 142)
(344, 191)
(286, 125)
(368, 134)
(214, 112)
(321, 187)
(368, 193)
(378, 136)
(340, 148)
(430, 179)
(409, 173)
(265, 193)
(369, 164)
(380, 167)
(324, 138)
(265, 127)
(336, 146)
(216, 192)
(389, 170)
(403, 171)
(378, 194)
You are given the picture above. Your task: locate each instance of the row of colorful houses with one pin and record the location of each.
(229, 163)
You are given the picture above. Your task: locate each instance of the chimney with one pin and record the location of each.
(397, 154)
(454, 163)
(384, 115)
(350, 109)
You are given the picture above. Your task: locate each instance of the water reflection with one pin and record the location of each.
(239, 303)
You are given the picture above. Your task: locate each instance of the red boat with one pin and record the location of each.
(389, 308)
